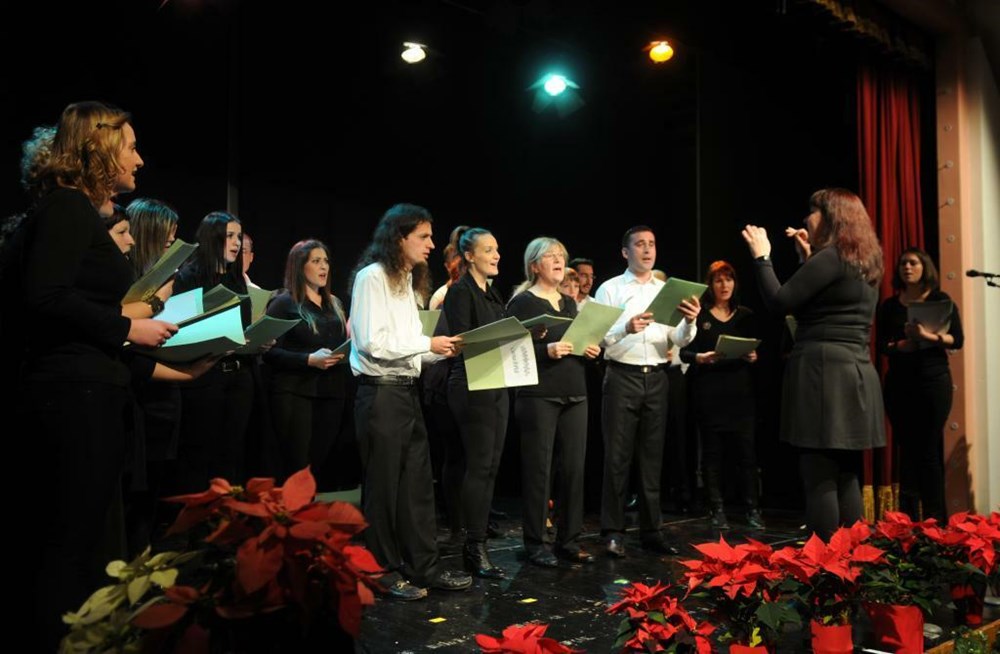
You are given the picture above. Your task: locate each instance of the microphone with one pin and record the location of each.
(976, 273)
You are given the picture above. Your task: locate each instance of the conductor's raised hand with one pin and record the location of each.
(756, 238)
(801, 238)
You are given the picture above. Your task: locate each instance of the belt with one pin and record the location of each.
(640, 369)
(230, 365)
(387, 380)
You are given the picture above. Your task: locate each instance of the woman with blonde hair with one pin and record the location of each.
(831, 403)
(74, 382)
(552, 416)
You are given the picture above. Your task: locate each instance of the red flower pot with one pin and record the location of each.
(968, 604)
(898, 628)
(831, 639)
(746, 649)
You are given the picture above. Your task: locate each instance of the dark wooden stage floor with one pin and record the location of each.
(570, 599)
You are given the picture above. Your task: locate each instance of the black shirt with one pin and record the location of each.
(923, 363)
(466, 306)
(563, 378)
(289, 358)
(74, 280)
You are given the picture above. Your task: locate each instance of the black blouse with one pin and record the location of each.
(562, 378)
(466, 306)
(923, 363)
(289, 358)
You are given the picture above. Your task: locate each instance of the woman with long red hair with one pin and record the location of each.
(831, 397)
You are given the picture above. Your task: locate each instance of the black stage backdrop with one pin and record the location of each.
(305, 114)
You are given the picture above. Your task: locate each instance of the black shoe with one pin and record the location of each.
(494, 530)
(660, 546)
(403, 590)
(616, 547)
(451, 580)
(718, 516)
(754, 519)
(574, 555)
(477, 561)
(633, 503)
(543, 558)
(497, 515)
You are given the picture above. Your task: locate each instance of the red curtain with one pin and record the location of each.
(889, 169)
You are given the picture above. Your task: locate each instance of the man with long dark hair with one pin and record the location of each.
(388, 351)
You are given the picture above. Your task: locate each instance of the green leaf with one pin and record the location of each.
(657, 616)
(137, 588)
(164, 578)
(114, 568)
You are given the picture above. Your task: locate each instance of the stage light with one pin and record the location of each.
(554, 85)
(660, 51)
(414, 53)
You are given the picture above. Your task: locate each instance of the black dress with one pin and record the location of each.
(724, 404)
(75, 390)
(918, 398)
(307, 404)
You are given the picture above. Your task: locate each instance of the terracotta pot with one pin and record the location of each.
(831, 639)
(968, 600)
(898, 628)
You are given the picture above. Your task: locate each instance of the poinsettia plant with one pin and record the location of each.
(912, 570)
(829, 574)
(743, 588)
(251, 551)
(656, 621)
(523, 639)
(970, 542)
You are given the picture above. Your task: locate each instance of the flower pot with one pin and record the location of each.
(898, 628)
(831, 639)
(746, 649)
(968, 600)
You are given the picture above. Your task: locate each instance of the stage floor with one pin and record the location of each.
(571, 599)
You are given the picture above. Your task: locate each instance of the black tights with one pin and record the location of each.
(833, 492)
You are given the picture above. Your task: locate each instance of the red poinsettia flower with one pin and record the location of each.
(656, 621)
(972, 538)
(523, 639)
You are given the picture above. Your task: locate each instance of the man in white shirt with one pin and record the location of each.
(634, 409)
(387, 352)
(585, 273)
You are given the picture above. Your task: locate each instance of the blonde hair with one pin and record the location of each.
(533, 254)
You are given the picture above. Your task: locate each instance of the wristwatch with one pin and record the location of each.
(155, 303)
(763, 257)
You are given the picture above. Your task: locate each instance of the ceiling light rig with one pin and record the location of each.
(660, 51)
(413, 53)
(559, 90)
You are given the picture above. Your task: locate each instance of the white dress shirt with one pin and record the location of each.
(652, 345)
(387, 337)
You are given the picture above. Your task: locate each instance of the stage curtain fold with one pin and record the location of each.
(888, 114)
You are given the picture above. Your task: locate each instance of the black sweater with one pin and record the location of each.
(289, 358)
(924, 363)
(562, 378)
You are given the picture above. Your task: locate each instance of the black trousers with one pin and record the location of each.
(307, 428)
(444, 431)
(681, 452)
(918, 410)
(482, 423)
(77, 441)
(215, 412)
(397, 489)
(833, 490)
(634, 416)
(737, 440)
(548, 426)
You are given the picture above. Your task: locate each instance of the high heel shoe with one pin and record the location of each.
(477, 561)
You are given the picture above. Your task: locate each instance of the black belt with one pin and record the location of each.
(640, 369)
(387, 380)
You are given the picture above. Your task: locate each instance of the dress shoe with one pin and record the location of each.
(754, 519)
(451, 580)
(633, 503)
(718, 516)
(403, 590)
(494, 530)
(543, 558)
(574, 555)
(477, 561)
(616, 547)
(660, 546)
